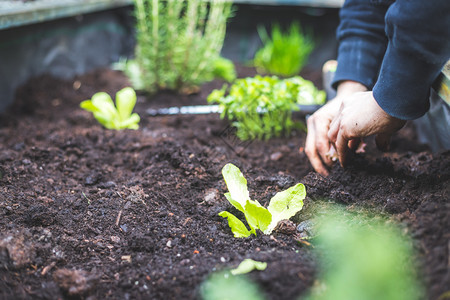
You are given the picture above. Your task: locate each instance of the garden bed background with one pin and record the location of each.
(136, 212)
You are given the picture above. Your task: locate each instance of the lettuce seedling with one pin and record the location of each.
(248, 265)
(112, 116)
(282, 206)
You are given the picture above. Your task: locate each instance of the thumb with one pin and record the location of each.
(383, 141)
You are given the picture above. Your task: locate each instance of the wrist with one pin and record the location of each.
(348, 87)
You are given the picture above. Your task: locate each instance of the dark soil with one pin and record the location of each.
(87, 212)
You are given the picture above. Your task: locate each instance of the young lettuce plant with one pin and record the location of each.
(282, 206)
(112, 116)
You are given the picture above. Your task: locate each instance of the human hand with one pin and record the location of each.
(360, 116)
(317, 146)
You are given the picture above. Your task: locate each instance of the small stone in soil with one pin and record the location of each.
(306, 227)
(124, 227)
(276, 156)
(107, 185)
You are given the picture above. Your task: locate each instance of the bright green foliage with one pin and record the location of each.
(248, 265)
(261, 107)
(282, 206)
(132, 70)
(224, 68)
(178, 42)
(225, 286)
(237, 227)
(102, 106)
(284, 54)
(365, 260)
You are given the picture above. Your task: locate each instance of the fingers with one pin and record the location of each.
(342, 147)
(383, 141)
(354, 144)
(334, 129)
(312, 151)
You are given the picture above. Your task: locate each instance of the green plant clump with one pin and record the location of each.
(110, 116)
(282, 206)
(284, 54)
(261, 107)
(179, 42)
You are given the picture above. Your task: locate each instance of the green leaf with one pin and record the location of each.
(248, 265)
(286, 204)
(105, 105)
(236, 184)
(87, 105)
(258, 217)
(106, 113)
(237, 227)
(125, 102)
(236, 204)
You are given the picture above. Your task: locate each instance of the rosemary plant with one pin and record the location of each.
(178, 42)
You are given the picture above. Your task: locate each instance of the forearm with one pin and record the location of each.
(419, 46)
(362, 42)
(348, 87)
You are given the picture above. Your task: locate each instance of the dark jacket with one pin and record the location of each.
(395, 48)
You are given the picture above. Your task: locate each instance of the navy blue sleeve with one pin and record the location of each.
(419, 45)
(362, 41)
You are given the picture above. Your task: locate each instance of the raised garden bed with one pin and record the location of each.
(136, 212)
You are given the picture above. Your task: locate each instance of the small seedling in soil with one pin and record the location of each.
(282, 206)
(248, 265)
(112, 116)
(261, 107)
(283, 54)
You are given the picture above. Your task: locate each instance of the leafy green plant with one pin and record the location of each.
(224, 68)
(178, 42)
(112, 116)
(282, 206)
(283, 54)
(261, 107)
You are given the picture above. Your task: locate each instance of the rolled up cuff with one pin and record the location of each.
(403, 86)
(359, 60)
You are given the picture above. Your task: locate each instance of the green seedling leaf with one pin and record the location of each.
(286, 204)
(103, 109)
(236, 204)
(282, 206)
(125, 102)
(257, 216)
(248, 265)
(236, 184)
(237, 227)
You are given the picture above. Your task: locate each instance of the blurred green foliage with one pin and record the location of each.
(284, 53)
(365, 259)
(225, 286)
